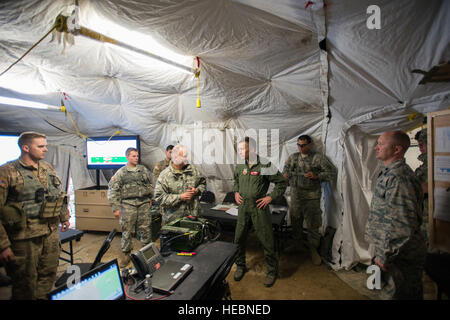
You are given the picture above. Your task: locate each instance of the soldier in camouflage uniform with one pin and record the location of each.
(422, 175)
(157, 211)
(161, 165)
(393, 225)
(130, 196)
(179, 187)
(31, 207)
(251, 182)
(306, 170)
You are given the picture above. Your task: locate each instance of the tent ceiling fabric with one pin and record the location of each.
(261, 68)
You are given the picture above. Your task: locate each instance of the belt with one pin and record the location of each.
(138, 198)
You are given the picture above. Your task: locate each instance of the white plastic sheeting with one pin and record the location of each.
(261, 68)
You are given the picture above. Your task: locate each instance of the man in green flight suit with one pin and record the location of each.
(251, 182)
(31, 207)
(130, 196)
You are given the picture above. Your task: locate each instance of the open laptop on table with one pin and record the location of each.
(101, 283)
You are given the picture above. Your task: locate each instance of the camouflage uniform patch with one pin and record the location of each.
(33, 272)
(159, 167)
(135, 221)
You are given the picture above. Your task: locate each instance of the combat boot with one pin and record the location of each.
(316, 259)
(239, 273)
(124, 259)
(270, 279)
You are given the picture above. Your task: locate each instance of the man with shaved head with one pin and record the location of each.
(395, 216)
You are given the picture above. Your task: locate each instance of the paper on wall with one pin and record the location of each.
(442, 168)
(442, 204)
(442, 139)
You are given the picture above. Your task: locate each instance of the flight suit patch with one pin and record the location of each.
(244, 172)
(254, 173)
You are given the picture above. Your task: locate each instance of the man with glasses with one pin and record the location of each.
(305, 170)
(179, 187)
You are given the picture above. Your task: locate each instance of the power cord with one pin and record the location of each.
(134, 281)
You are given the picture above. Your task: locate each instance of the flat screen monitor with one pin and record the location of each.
(101, 283)
(9, 148)
(109, 153)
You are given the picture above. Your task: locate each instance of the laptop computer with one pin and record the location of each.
(166, 274)
(170, 275)
(101, 283)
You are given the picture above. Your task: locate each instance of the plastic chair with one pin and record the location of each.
(85, 267)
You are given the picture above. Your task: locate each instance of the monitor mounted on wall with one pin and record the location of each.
(109, 152)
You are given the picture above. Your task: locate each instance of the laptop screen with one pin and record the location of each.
(101, 283)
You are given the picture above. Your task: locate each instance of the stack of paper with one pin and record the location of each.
(232, 211)
(224, 207)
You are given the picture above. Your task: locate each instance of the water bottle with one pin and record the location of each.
(148, 289)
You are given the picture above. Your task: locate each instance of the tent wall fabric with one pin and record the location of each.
(276, 69)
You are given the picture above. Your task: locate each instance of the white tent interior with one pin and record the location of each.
(261, 69)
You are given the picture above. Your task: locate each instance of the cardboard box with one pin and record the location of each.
(97, 224)
(93, 211)
(86, 196)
